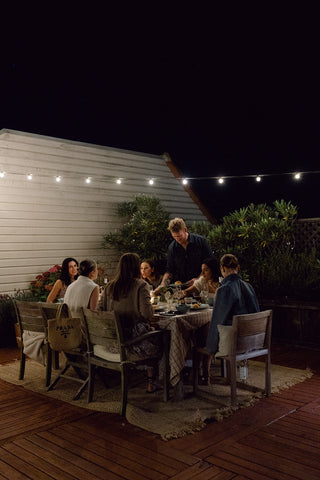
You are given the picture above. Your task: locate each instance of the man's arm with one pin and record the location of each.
(164, 282)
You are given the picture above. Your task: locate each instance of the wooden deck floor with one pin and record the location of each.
(278, 438)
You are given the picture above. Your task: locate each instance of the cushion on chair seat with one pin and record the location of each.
(100, 351)
(225, 340)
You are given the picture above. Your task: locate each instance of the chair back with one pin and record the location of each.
(50, 310)
(30, 317)
(252, 332)
(100, 329)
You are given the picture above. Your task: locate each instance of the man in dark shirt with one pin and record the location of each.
(185, 254)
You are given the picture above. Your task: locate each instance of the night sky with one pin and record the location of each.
(224, 93)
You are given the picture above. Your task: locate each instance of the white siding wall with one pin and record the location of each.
(42, 222)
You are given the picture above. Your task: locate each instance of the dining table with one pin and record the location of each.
(182, 328)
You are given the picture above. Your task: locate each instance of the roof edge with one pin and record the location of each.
(194, 197)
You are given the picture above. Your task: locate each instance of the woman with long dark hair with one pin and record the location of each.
(69, 273)
(129, 295)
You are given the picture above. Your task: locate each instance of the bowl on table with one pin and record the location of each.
(183, 308)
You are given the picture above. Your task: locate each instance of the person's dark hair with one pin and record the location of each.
(153, 266)
(229, 261)
(212, 263)
(128, 270)
(86, 267)
(64, 275)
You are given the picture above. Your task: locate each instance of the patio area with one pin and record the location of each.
(277, 438)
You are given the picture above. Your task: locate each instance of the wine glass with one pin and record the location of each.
(204, 296)
(167, 296)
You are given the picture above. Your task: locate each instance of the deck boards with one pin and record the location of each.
(276, 439)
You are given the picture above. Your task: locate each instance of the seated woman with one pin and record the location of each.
(234, 297)
(208, 281)
(69, 273)
(149, 273)
(128, 293)
(83, 292)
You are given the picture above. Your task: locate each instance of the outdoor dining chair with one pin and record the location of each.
(75, 359)
(248, 337)
(30, 319)
(105, 333)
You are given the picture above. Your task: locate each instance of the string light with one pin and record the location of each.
(151, 181)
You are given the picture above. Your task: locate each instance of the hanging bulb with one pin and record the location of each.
(297, 176)
(185, 181)
(119, 181)
(29, 176)
(88, 180)
(258, 178)
(58, 178)
(2, 174)
(151, 182)
(220, 180)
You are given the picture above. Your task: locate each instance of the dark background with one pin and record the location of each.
(225, 93)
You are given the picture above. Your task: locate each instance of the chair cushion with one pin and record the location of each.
(225, 340)
(101, 352)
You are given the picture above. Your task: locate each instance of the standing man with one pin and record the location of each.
(185, 255)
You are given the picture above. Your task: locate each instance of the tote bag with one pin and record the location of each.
(64, 332)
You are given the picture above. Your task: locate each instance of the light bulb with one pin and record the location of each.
(221, 180)
(2, 174)
(119, 181)
(258, 178)
(297, 176)
(88, 180)
(58, 178)
(185, 181)
(29, 176)
(151, 182)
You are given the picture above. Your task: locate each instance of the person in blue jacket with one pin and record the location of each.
(234, 297)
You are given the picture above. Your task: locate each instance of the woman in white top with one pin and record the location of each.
(208, 281)
(83, 292)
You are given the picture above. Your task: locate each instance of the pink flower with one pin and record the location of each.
(54, 269)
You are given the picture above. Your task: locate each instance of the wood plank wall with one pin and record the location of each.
(43, 221)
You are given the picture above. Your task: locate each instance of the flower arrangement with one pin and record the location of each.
(43, 284)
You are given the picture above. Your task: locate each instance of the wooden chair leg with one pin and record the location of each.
(91, 375)
(233, 381)
(124, 390)
(55, 355)
(22, 365)
(268, 375)
(48, 365)
(195, 370)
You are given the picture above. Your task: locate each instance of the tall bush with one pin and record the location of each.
(262, 237)
(145, 230)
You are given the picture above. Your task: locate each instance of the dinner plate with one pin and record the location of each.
(202, 306)
(158, 309)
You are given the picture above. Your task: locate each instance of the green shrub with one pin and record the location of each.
(145, 230)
